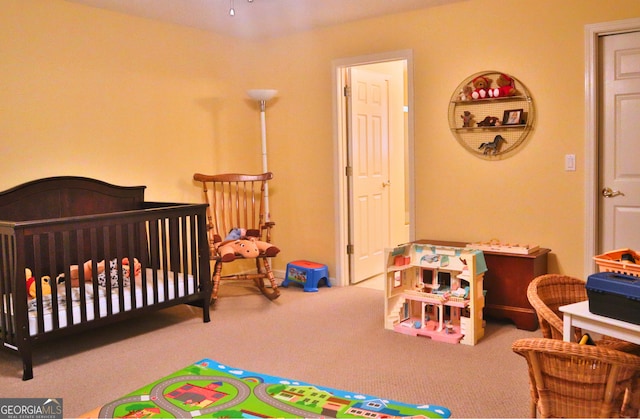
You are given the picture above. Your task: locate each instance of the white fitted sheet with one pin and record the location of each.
(103, 298)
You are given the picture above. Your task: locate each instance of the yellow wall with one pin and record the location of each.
(131, 101)
(99, 94)
(525, 198)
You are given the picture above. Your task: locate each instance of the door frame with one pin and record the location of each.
(592, 193)
(340, 142)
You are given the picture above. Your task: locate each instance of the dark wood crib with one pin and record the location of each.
(49, 225)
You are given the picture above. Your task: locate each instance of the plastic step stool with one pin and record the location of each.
(306, 273)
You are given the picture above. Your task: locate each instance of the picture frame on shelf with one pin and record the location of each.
(513, 117)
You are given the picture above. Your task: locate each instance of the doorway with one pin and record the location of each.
(595, 224)
(399, 184)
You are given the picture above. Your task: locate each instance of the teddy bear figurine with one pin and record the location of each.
(465, 93)
(467, 119)
(481, 86)
(506, 87)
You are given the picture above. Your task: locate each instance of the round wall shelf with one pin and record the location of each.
(493, 125)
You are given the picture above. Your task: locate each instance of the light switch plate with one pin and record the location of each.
(570, 162)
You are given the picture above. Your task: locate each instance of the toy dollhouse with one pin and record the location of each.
(435, 291)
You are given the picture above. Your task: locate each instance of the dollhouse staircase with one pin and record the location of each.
(398, 308)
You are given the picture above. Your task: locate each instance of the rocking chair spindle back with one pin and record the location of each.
(237, 209)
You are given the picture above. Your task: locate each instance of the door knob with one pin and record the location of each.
(385, 184)
(610, 193)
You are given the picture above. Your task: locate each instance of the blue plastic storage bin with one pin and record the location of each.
(614, 295)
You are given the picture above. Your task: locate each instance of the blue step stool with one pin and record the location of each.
(306, 273)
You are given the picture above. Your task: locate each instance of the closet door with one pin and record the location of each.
(619, 171)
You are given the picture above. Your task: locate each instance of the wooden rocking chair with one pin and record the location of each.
(237, 202)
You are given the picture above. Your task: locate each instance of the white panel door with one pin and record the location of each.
(370, 168)
(619, 173)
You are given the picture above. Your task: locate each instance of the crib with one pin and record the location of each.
(155, 255)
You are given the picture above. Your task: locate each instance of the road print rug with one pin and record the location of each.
(208, 389)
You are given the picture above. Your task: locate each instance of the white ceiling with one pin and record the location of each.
(260, 18)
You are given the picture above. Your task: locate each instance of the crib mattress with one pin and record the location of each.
(103, 298)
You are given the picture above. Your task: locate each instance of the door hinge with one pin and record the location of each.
(348, 171)
(347, 91)
(349, 249)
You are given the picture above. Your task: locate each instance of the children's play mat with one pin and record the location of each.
(209, 389)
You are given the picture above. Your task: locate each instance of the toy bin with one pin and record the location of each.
(614, 295)
(622, 261)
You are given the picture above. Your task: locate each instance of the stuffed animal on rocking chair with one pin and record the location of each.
(246, 247)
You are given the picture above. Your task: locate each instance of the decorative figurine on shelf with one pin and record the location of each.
(480, 87)
(489, 121)
(494, 146)
(465, 93)
(506, 87)
(467, 119)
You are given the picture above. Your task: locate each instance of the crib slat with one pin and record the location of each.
(187, 260)
(52, 256)
(7, 263)
(119, 268)
(144, 258)
(165, 258)
(193, 246)
(94, 257)
(81, 258)
(37, 274)
(154, 244)
(132, 255)
(66, 256)
(106, 239)
(174, 253)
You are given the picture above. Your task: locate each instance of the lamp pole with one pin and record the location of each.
(262, 96)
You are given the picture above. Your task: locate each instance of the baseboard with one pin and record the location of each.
(279, 274)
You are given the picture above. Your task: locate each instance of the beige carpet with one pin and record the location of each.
(334, 338)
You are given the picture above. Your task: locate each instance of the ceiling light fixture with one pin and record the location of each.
(232, 10)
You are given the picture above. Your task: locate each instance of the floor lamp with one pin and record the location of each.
(262, 96)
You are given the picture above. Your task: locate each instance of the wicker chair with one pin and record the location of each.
(572, 380)
(547, 293)
(238, 201)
